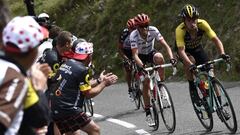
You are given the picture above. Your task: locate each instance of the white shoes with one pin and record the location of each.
(149, 120)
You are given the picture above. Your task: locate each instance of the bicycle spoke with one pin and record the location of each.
(166, 108)
(227, 113)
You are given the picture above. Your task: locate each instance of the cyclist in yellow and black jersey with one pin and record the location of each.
(188, 41)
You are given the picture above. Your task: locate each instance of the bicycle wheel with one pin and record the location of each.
(154, 112)
(226, 111)
(138, 98)
(202, 112)
(89, 105)
(166, 107)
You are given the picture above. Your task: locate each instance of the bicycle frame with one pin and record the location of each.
(213, 103)
(154, 78)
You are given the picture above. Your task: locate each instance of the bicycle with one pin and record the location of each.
(136, 85)
(88, 105)
(161, 97)
(213, 98)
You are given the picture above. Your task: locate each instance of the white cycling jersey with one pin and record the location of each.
(145, 46)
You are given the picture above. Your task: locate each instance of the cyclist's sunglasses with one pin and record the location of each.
(143, 26)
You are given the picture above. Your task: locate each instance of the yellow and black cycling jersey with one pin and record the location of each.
(183, 38)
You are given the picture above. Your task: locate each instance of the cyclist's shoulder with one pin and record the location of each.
(202, 23)
(73, 66)
(181, 27)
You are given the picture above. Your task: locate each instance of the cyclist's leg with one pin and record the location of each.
(158, 59)
(146, 94)
(91, 128)
(199, 56)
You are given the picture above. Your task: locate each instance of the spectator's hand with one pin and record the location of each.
(45, 68)
(173, 62)
(38, 75)
(225, 57)
(110, 79)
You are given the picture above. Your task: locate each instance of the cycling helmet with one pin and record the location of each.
(142, 19)
(189, 11)
(43, 15)
(131, 23)
(22, 34)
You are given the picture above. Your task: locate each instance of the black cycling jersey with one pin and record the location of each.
(124, 39)
(52, 58)
(73, 79)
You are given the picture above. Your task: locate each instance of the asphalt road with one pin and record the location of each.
(116, 114)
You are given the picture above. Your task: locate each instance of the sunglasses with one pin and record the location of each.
(143, 26)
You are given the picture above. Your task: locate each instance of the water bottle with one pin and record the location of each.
(203, 86)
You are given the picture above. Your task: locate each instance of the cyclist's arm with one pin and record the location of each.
(218, 44)
(136, 58)
(212, 35)
(120, 50)
(183, 55)
(164, 43)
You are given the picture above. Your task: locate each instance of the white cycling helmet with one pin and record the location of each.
(43, 15)
(22, 34)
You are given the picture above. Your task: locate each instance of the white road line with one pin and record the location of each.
(142, 132)
(122, 123)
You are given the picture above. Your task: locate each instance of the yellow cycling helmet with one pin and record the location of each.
(189, 11)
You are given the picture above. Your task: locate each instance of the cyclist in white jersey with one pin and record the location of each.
(142, 45)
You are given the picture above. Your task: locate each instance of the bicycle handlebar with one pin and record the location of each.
(215, 61)
(162, 66)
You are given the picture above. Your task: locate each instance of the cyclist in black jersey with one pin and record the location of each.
(188, 41)
(73, 86)
(124, 49)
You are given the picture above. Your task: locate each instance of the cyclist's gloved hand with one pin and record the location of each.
(173, 62)
(192, 68)
(142, 69)
(225, 57)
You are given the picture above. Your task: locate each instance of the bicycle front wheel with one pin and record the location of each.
(137, 92)
(154, 112)
(166, 107)
(89, 105)
(227, 113)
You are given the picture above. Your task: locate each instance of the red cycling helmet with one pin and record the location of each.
(131, 24)
(142, 19)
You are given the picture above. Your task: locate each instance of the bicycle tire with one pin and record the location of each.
(138, 98)
(90, 106)
(206, 123)
(166, 108)
(231, 123)
(154, 111)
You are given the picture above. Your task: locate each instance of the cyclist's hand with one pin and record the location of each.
(173, 62)
(141, 69)
(225, 57)
(192, 68)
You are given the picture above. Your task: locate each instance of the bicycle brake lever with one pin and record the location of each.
(228, 67)
(174, 71)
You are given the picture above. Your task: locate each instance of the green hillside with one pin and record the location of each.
(101, 21)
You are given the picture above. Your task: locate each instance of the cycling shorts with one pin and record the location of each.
(198, 54)
(72, 123)
(147, 58)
